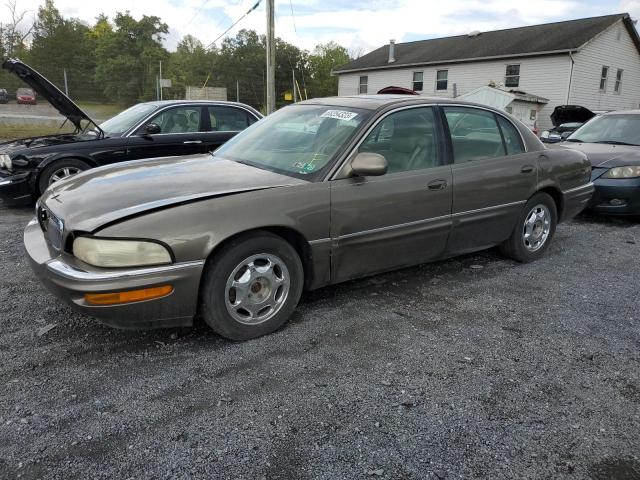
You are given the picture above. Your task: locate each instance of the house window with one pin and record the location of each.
(618, 85)
(603, 79)
(508, 109)
(363, 84)
(512, 76)
(441, 79)
(417, 81)
(532, 114)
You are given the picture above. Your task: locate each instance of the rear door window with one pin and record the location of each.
(474, 134)
(229, 119)
(512, 138)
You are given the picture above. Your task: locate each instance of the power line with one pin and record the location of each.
(293, 17)
(234, 24)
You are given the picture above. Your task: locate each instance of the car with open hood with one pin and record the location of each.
(611, 142)
(146, 130)
(566, 119)
(317, 193)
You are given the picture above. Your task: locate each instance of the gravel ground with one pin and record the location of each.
(475, 367)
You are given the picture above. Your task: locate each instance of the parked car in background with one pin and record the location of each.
(317, 193)
(154, 129)
(25, 96)
(566, 119)
(560, 133)
(4, 96)
(611, 141)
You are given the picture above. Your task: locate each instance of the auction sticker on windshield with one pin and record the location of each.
(339, 114)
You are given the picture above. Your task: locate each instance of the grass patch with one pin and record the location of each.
(10, 131)
(100, 111)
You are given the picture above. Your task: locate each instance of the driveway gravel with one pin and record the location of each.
(475, 367)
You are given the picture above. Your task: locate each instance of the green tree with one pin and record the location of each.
(242, 58)
(190, 65)
(60, 44)
(322, 61)
(128, 56)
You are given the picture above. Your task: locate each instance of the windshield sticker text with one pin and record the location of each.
(339, 114)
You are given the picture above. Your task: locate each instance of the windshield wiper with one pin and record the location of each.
(616, 142)
(577, 140)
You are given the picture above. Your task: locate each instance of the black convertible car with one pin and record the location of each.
(146, 130)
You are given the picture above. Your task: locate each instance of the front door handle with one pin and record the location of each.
(526, 169)
(188, 142)
(437, 185)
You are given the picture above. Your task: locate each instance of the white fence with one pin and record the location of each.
(206, 93)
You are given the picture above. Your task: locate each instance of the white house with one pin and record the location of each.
(593, 62)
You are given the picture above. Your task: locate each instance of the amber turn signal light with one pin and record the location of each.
(127, 297)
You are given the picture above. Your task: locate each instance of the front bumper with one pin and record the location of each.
(616, 196)
(15, 189)
(69, 279)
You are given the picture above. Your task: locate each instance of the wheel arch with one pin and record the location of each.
(557, 197)
(290, 235)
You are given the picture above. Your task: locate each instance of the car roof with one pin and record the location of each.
(379, 101)
(162, 103)
(622, 112)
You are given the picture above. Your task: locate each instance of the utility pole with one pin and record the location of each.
(293, 77)
(66, 85)
(237, 90)
(271, 55)
(160, 79)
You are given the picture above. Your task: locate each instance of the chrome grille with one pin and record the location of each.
(52, 227)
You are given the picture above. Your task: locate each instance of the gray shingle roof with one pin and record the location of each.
(533, 40)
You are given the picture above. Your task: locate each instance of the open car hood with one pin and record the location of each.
(570, 114)
(49, 91)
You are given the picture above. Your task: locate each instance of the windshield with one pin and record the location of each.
(618, 128)
(24, 91)
(299, 140)
(125, 120)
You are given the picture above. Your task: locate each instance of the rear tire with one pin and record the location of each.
(251, 286)
(59, 170)
(534, 229)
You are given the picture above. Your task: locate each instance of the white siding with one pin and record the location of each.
(607, 50)
(545, 76)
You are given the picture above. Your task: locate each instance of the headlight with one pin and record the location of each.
(545, 134)
(5, 161)
(623, 172)
(120, 253)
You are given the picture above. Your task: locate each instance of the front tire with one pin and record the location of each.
(534, 229)
(60, 170)
(251, 286)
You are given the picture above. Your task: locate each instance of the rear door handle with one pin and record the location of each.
(437, 185)
(187, 142)
(526, 169)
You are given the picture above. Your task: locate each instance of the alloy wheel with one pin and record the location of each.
(257, 288)
(537, 225)
(62, 173)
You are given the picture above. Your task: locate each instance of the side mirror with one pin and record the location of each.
(152, 129)
(367, 164)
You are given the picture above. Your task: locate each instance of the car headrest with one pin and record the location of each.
(407, 139)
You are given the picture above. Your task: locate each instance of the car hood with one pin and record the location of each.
(101, 196)
(48, 90)
(16, 146)
(570, 114)
(603, 155)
